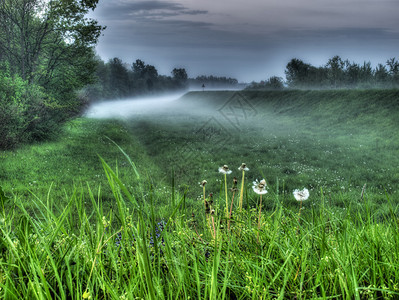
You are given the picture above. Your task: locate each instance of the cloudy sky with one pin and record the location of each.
(248, 40)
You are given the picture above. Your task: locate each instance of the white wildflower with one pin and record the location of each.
(259, 187)
(224, 170)
(301, 195)
(243, 167)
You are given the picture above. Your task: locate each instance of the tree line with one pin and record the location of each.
(46, 57)
(117, 79)
(335, 74)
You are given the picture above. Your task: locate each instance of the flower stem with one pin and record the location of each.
(213, 225)
(260, 211)
(203, 189)
(242, 190)
(299, 217)
(227, 201)
(231, 209)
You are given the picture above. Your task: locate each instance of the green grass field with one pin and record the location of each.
(113, 209)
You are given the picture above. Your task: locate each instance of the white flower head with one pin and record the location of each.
(301, 195)
(224, 170)
(243, 167)
(203, 182)
(260, 187)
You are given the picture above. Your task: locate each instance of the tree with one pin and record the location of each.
(146, 76)
(381, 76)
(180, 77)
(138, 68)
(352, 74)
(296, 73)
(393, 65)
(39, 36)
(48, 44)
(118, 78)
(335, 67)
(366, 75)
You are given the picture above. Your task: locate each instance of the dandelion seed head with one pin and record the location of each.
(243, 167)
(203, 182)
(224, 170)
(301, 195)
(259, 187)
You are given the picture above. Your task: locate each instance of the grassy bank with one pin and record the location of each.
(74, 226)
(335, 141)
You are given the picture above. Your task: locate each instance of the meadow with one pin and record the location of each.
(114, 209)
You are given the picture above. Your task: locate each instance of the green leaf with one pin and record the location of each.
(3, 197)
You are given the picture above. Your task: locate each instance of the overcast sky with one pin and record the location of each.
(248, 40)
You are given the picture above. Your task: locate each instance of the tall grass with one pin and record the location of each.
(69, 252)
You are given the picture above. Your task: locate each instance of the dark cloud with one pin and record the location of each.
(146, 9)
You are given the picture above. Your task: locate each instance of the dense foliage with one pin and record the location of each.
(46, 56)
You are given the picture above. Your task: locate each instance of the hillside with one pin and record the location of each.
(340, 105)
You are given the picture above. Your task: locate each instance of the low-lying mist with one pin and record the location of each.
(127, 108)
(195, 107)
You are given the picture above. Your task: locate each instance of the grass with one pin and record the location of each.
(72, 252)
(82, 219)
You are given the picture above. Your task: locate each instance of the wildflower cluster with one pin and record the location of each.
(159, 227)
(259, 187)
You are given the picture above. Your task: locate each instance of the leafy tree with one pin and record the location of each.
(40, 36)
(381, 76)
(118, 78)
(366, 75)
(47, 44)
(297, 73)
(138, 68)
(393, 65)
(352, 74)
(335, 67)
(144, 75)
(180, 77)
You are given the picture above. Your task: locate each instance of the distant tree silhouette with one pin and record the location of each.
(273, 83)
(339, 73)
(180, 77)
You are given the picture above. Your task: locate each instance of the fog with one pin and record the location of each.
(127, 108)
(168, 107)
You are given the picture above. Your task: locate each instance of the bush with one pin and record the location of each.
(27, 114)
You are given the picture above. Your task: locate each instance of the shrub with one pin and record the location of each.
(27, 113)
